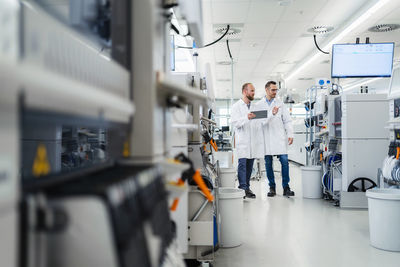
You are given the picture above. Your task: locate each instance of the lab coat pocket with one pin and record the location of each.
(240, 138)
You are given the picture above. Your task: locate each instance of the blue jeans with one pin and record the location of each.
(270, 171)
(245, 167)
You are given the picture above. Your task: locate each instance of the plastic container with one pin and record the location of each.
(384, 218)
(225, 158)
(231, 216)
(311, 181)
(227, 177)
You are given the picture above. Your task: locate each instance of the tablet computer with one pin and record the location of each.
(260, 114)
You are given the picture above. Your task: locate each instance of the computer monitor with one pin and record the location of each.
(362, 60)
(225, 128)
(172, 58)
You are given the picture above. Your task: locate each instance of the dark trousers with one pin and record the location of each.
(245, 167)
(270, 171)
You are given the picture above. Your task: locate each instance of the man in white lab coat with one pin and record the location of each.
(277, 135)
(248, 144)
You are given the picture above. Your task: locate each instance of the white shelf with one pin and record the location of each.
(208, 120)
(49, 91)
(185, 95)
(192, 127)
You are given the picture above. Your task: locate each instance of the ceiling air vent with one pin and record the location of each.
(285, 2)
(224, 63)
(289, 62)
(384, 28)
(235, 29)
(232, 31)
(320, 29)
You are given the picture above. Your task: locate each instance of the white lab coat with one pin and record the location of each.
(276, 131)
(249, 145)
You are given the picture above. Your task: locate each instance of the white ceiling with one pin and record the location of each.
(274, 40)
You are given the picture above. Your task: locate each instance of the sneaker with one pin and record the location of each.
(272, 192)
(250, 194)
(287, 192)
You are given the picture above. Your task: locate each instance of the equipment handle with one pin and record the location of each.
(200, 182)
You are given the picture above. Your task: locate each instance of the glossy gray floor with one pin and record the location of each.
(299, 232)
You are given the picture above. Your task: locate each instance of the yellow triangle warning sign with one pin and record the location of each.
(125, 151)
(41, 165)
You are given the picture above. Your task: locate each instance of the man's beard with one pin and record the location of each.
(250, 97)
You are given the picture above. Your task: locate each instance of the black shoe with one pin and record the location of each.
(287, 192)
(272, 192)
(250, 194)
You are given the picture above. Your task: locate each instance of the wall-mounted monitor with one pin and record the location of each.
(225, 128)
(362, 60)
(172, 54)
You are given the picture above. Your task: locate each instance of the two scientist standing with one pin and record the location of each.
(262, 137)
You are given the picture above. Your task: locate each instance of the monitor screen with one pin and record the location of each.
(362, 60)
(172, 53)
(225, 128)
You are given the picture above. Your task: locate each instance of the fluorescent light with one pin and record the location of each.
(357, 22)
(305, 64)
(341, 35)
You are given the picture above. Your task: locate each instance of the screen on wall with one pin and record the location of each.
(362, 60)
(172, 59)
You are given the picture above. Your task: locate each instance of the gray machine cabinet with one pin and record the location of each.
(88, 239)
(364, 141)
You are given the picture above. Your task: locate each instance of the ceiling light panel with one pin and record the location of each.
(234, 12)
(257, 30)
(300, 11)
(330, 15)
(264, 12)
(289, 29)
(253, 43)
(280, 43)
(249, 55)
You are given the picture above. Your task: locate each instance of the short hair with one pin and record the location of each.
(268, 84)
(244, 86)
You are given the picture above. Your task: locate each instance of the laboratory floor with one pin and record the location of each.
(297, 232)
